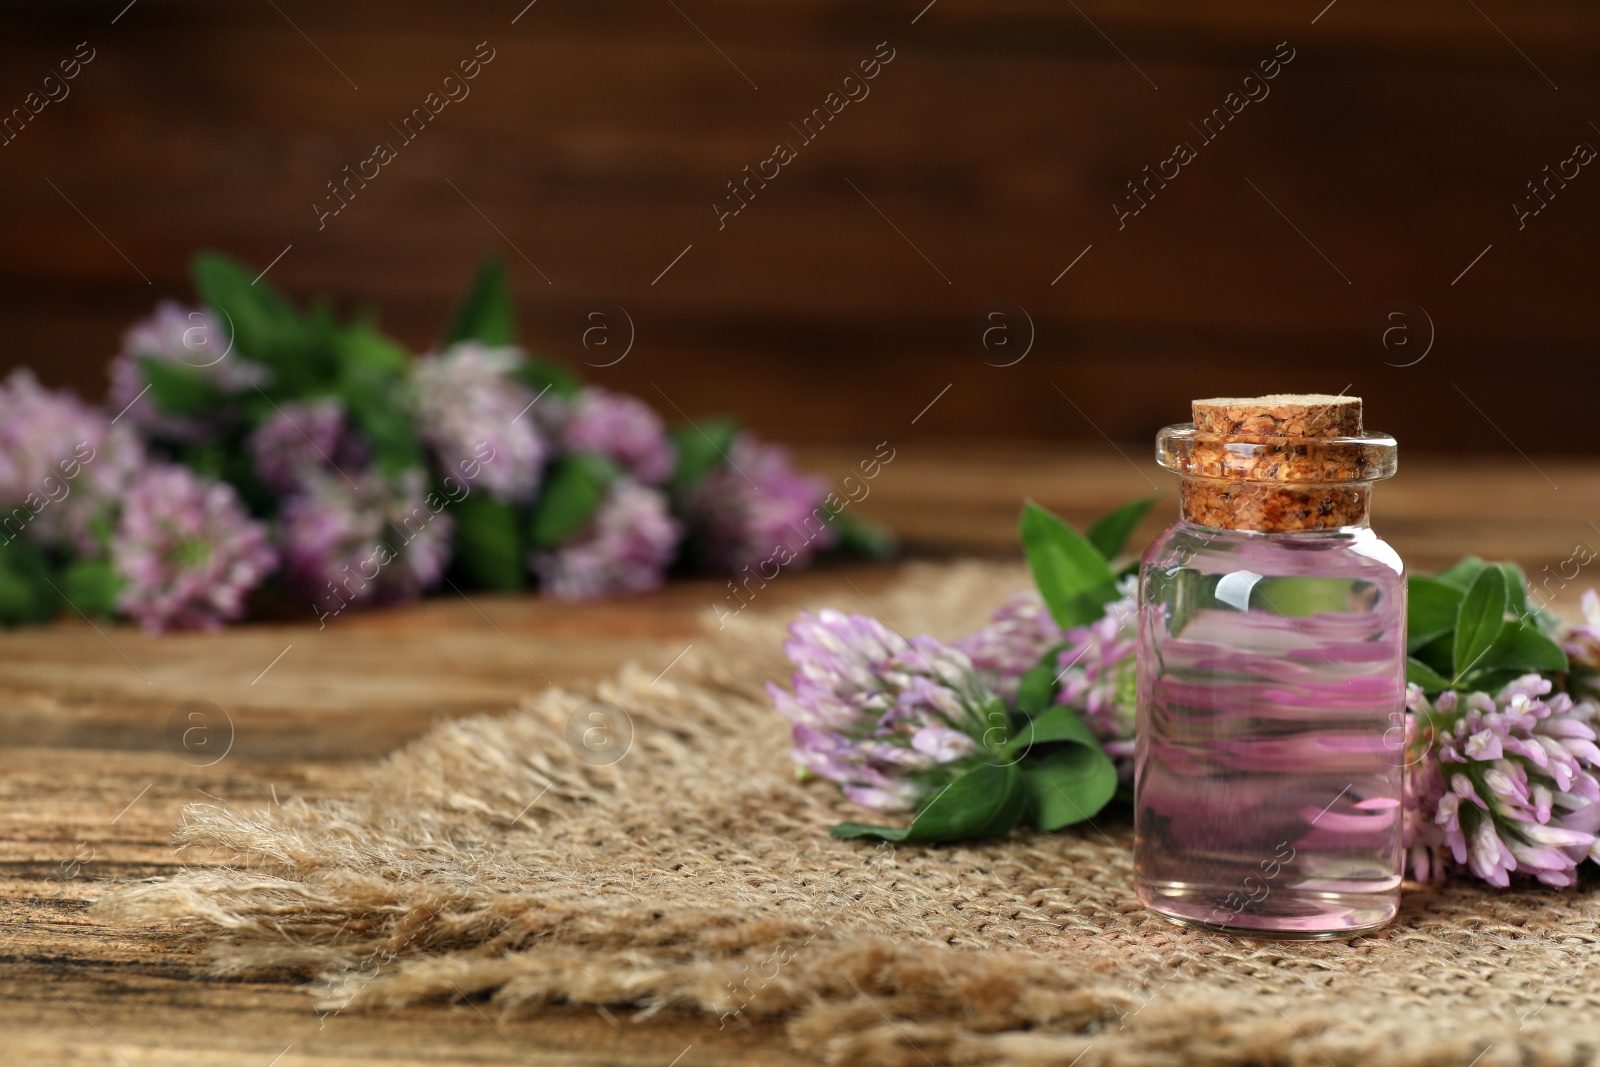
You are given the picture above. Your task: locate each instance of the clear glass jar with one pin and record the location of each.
(1271, 669)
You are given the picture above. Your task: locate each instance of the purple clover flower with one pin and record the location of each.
(622, 428)
(1423, 788)
(190, 339)
(626, 547)
(756, 507)
(1095, 664)
(302, 440)
(63, 464)
(364, 542)
(1098, 679)
(1511, 781)
(468, 396)
(187, 551)
(1012, 642)
(890, 721)
(1581, 643)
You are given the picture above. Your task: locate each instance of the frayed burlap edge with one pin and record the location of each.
(494, 858)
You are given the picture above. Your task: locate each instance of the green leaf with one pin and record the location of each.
(1037, 690)
(486, 315)
(700, 448)
(864, 537)
(488, 542)
(25, 593)
(310, 360)
(1437, 654)
(1522, 647)
(573, 490)
(1072, 575)
(178, 389)
(1069, 785)
(1479, 620)
(542, 375)
(371, 370)
(1431, 607)
(1495, 680)
(101, 530)
(998, 729)
(1420, 673)
(384, 424)
(264, 326)
(1067, 775)
(1110, 532)
(257, 310)
(986, 802)
(92, 585)
(238, 469)
(1516, 588)
(1464, 573)
(361, 348)
(1056, 723)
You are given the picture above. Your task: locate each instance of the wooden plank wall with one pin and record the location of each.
(1385, 159)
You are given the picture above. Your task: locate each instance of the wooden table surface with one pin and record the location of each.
(93, 779)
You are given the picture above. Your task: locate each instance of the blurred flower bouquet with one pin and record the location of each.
(1031, 718)
(263, 454)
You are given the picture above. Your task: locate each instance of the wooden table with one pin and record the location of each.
(93, 780)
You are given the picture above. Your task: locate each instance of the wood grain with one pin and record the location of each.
(986, 159)
(73, 992)
(91, 784)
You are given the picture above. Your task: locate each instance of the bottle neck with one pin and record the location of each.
(1273, 507)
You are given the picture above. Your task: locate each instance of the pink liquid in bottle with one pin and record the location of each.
(1271, 701)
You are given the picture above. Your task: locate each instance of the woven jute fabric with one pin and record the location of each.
(487, 859)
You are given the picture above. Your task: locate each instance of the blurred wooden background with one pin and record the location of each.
(1383, 166)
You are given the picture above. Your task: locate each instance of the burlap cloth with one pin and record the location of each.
(696, 874)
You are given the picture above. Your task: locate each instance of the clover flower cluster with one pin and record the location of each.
(890, 720)
(1502, 784)
(754, 505)
(221, 472)
(188, 552)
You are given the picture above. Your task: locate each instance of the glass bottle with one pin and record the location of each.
(1271, 677)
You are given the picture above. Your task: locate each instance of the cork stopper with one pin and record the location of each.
(1276, 464)
(1280, 415)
